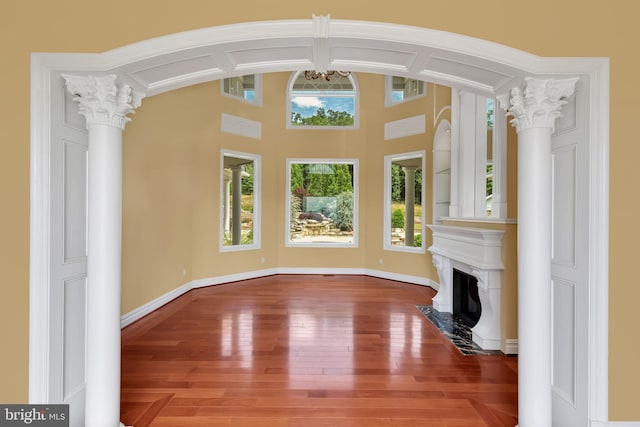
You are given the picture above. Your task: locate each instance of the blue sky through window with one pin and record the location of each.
(307, 103)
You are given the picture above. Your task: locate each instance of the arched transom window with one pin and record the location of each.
(322, 100)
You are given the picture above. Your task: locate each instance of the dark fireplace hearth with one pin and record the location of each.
(466, 301)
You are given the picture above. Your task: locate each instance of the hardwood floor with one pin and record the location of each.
(307, 351)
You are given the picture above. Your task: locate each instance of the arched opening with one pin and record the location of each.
(180, 60)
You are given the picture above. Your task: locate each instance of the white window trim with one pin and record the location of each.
(287, 228)
(257, 198)
(388, 93)
(257, 100)
(356, 107)
(386, 227)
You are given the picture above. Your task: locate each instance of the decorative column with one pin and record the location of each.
(105, 106)
(227, 202)
(236, 205)
(409, 203)
(535, 107)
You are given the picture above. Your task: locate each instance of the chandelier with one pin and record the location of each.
(327, 75)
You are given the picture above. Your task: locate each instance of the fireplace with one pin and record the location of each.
(476, 254)
(466, 300)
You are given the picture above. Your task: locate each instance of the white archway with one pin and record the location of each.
(166, 63)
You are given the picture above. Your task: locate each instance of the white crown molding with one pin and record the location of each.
(294, 40)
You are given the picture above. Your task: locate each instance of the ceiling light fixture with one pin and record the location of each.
(314, 75)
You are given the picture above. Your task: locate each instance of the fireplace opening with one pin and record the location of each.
(466, 301)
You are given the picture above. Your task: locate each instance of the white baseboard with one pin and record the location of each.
(416, 280)
(511, 346)
(218, 280)
(312, 270)
(143, 310)
(615, 423)
(147, 308)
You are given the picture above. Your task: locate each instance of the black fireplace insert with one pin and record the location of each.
(466, 301)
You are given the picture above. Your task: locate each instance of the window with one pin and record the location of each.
(401, 89)
(322, 100)
(240, 201)
(404, 193)
(322, 203)
(247, 88)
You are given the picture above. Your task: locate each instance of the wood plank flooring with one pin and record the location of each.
(308, 351)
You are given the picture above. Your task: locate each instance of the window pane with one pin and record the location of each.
(243, 87)
(404, 190)
(240, 201)
(401, 89)
(322, 100)
(321, 202)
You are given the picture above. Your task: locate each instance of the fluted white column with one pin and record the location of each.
(227, 203)
(535, 107)
(236, 205)
(409, 203)
(105, 106)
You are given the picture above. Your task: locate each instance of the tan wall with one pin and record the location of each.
(548, 28)
(183, 149)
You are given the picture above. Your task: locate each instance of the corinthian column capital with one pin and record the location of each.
(101, 100)
(538, 102)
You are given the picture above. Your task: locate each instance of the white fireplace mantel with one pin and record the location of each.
(475, 251)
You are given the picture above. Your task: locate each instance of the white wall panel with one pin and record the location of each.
(241, 126)
(75, 201)
(564, 206)
(415, 125)
(564, 339)
(75, 292)
(570, 262)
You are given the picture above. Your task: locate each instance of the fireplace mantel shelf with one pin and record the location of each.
(479, 248)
